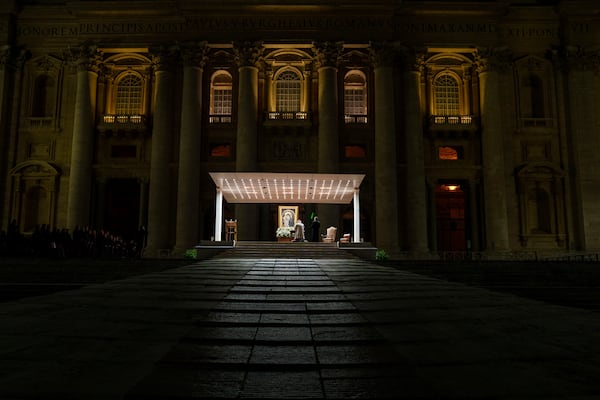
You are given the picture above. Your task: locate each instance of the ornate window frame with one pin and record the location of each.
(354, 113)
(118, 92)
(52, 68)
(449, 108)
(294, 95)
(221, 109)
(117, 68)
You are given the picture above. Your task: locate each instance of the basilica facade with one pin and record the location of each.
(476, 124)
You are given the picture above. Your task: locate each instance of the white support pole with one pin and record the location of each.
(219, 215)
(356, 236)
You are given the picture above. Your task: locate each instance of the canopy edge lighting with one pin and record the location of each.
(272, 187)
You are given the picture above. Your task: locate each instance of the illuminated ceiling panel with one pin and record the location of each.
(268, 187)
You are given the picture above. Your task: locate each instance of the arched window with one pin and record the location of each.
(288, 92)
(43, 101)
(355, 97)
(221, 97)
(446, 95)
(129, 95)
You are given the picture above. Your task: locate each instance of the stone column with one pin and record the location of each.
(160, 173)
(328, 54)
(103, 79)
(11, 63)
(307, 90)
(582, 88)
(268, 90)
(571, 214)
(416, 186)
(188, 189)
(5, 112)
(247, 56)
(82, 147)
(386, 162)
(489, 64)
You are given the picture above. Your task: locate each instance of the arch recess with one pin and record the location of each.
(34, 184)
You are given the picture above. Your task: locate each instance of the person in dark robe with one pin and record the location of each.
(315, 230)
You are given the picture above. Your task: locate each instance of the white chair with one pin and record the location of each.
(331, 235)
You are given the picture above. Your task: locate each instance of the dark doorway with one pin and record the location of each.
(450, 217)
(122, 207)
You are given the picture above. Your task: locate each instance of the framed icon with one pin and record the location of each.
(288, 216)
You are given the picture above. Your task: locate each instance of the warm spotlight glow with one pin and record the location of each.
(450, 188)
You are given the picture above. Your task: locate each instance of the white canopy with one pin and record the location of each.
(273, 187)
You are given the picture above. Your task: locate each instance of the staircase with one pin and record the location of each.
(250, 249)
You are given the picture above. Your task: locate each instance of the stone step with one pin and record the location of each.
(249, 249)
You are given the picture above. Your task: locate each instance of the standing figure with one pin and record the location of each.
(315, 226)
(299, 231)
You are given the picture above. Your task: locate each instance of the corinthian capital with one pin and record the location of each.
(383, 54)
(413, 58)
(194, 53)
(85, 57)
(248, 54)
(579, 58)
(164, 57)
(328, 53)
(493, 59)
(13, 57)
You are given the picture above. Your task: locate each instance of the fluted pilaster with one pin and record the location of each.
(86, 59)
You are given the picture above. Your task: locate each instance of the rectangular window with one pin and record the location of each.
(222, 99)
(288, 96)
(354, 101)
(129, 98)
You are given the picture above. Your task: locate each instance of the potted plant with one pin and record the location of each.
(284, 234)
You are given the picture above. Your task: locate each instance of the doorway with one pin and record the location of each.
(122, 207)
(450, 217)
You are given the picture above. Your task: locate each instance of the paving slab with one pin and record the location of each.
(294, 329)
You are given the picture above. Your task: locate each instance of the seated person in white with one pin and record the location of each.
(299, 231)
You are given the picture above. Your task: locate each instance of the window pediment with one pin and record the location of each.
(35, 168)
(540, 169)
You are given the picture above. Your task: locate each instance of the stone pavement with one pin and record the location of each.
(294, 328)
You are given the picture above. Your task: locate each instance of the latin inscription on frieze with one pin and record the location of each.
(295, 23)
